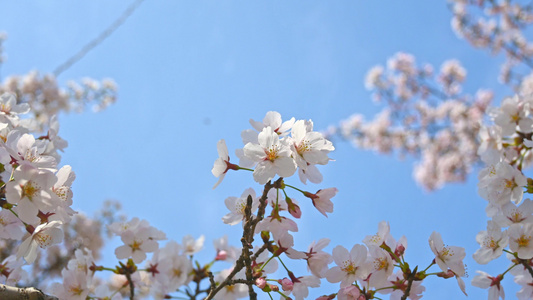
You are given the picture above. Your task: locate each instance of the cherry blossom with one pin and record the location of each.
(484, 280)
(521, 240)
(318, 260)
(492, 242)
(222, 164)
(273, 119)
(447, 256)
(351, 266)
(309, 148)
(273, 156)
(31, 191)
(42, 236)
(238, 205)
(322, 200)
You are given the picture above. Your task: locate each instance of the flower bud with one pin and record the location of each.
(294, 209)
(221, 255)
(286, 284)
(261, 282)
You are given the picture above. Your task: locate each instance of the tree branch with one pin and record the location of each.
(29, 293)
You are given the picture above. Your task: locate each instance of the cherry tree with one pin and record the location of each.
(48, 244)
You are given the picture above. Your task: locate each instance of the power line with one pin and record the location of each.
(100, 38)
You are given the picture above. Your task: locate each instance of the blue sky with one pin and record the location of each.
(193, 72)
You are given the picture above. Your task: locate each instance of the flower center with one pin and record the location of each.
(516, 217)
(135, 246)
(490, 243)
(303, 147)
(509, 184)
(523, 241)
(176, 272)
(380, 263)
(62, 192)
(43, 239)
(272, 153)
(349, 267)
(30, 189)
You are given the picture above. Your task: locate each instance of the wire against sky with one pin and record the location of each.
(100, 38)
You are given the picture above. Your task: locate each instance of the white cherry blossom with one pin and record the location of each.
(492, 242)
(43, 236)
(447, 256)
(351, 266)
(273, 156)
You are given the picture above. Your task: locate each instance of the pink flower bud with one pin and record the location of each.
(261, 282)
(400, 250)
(286, 284)
(294, 209)
(221, 255)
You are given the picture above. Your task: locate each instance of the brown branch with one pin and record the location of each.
(238, 266)
(259, 251)
(410, 279)
(247, 247)
(132, 287)
(245, 260)
(29, 293)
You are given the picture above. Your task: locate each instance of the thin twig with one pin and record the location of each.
(247, 238)
(99, 39)
(410, 280)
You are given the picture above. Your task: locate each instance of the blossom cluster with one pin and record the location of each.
(47, 99)
(36, 197)
(361, 272)
(506, 151)
(426, 115)
(499, 26)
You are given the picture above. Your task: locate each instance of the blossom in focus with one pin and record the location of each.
(511, 214)
(222, 164)
(238, 205)
(31, 191)
(273, 156)
(501, 184)
(309, 148)
(521, 240)
(322, 200)
(43, 236)
(380, 237)
(492, 242)
(273, 119)
(512, 114)
(351, 266)
(447, 256)
(9, 106)
(318, 260)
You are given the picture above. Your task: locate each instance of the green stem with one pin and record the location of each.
(264, 264)
(246, 169)
(283, 295)
(432, 263)
(283, 264)
(293, 187)
(503, 274)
